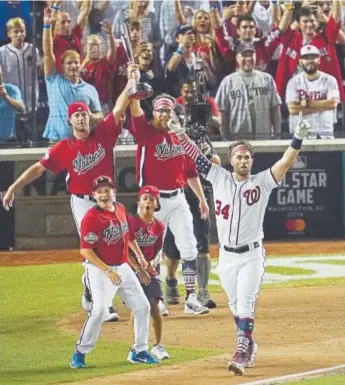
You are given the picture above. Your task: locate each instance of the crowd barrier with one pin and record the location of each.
(309, 203)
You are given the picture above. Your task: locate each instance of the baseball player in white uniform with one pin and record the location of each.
(240, 202)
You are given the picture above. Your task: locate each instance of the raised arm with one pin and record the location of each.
(336, 11)
(179, 13)
(134, 73)
(280, 168)
(287, 17)
(31, 174)
(108, 29)
(49, 61)
(84, 13)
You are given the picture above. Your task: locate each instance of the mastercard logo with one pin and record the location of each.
(295, 225)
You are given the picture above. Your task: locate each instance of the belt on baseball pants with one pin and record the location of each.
(87, 197)
(241, 249)
(170, 195)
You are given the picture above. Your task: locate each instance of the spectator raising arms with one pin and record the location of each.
(96, 67)
(293, 40)
(67, 36)
(65, 89)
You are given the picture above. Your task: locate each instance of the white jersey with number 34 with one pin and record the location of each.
(240, 206)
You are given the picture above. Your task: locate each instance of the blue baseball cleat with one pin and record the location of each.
(143, 357)
(78, 361)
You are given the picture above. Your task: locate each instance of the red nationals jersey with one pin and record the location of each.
(99, 75)
(107, 233)
(65, 43)
(160, 160)
(149, 236)
(85, 160)
(293, 42)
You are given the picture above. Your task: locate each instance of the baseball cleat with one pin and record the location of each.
(236, 365)
(205, 300)
(143, 357)
(162, 309)
(112, 316)
(159, 351)
(249, 358)
(194, 307)
(172, 295)
(78, 361)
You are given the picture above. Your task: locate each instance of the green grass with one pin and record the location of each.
(327, 261)
(33, 351)
(338, 379)
(284, 270)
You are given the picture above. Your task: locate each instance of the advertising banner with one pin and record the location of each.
(308, 203)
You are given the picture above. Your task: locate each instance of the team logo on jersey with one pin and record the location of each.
(84, 163)
(165, 150)
(91, 238)
(145, 239)
(114, 232)
(252, 196)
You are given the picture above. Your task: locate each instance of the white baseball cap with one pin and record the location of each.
(309, 50)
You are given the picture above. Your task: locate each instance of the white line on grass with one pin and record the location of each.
(278, 380)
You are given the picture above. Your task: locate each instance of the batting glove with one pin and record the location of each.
(303, 128)
(176, 128)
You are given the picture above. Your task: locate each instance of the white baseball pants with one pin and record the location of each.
(175, 213)
(240, 276)
(131, 293)
(79, 208)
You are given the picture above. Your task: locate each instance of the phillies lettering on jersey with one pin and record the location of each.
(311, 95)
(165, 150)
(114, 232)
(83, 163)
(85, 160)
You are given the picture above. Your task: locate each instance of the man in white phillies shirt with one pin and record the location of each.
(240, 203)
(315, 93)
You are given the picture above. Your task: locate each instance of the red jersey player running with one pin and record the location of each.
(86, 156)
(149, 233)
(104, 240)
(161, 162)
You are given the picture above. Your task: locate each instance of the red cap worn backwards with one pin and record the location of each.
(152, 190)
(77, 107)
(102, 181)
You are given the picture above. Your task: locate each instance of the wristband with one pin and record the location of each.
(47, 26)
(55, 7)
(179, 51)
(296, 143)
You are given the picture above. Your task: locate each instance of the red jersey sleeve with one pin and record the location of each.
(140, 128)
(191, 171)
(90, 233)
(331, 31)
(54, 158)
(131, 227)
(223, 45)
(110, 129)
(214, 107)
(77, 31)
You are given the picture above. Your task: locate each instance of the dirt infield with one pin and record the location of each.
(21, 258)
(297, 330)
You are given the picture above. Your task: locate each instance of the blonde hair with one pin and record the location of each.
(69, 53)
(210, 31)
(15, 22)
(95, 38)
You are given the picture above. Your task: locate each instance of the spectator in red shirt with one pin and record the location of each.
(293, 40)
(96, 67)
(66, 36)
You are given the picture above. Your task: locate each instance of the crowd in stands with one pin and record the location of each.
(258, 64)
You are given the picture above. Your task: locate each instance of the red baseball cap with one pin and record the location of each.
(152, 190)
(76, 107)
(102, 180)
